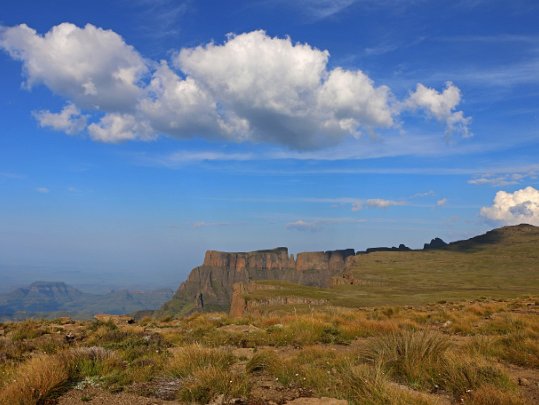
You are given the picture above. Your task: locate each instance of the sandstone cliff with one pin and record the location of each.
(209, 287)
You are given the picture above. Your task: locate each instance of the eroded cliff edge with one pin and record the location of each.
(209, 287)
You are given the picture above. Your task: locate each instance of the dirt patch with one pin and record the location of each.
(527, 380)
(96, 396)
(317, 401)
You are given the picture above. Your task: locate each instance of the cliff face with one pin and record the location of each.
(275, 259)
(240, 305)
(209, 287)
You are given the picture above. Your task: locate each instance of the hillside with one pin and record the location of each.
(52, 299)
(501, 263)
(477, 352)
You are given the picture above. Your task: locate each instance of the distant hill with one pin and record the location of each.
(43, 299)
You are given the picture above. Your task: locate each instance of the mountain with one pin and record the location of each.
(52, 299)
(40, 296)
(209, 287)
(503, 261)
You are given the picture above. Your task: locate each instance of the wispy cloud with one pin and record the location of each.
(441, 202)
(504, 179)
(42, 190)
(316, 225)
(161, 18)
(506, 75)
(382, 203)
(429, 193)
(351, 203)
(209, 224)
(494, 39)
(321, 9)
(182, 158)
(12, 176)
(366, 149)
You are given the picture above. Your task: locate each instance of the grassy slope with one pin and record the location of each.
(505, 263)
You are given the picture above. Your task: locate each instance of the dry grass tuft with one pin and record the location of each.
(35, 380)
(408, 355)
(490, 395)
(204, 384)
(461, 374)
(188, 359)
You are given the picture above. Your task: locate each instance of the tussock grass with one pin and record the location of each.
(520, 349)
(285, 371)
(204, 384)
(42, 375)
(25, 330)
(35, 380)
(491, 395)
(460, 374)
(188, 359)
(410, 356)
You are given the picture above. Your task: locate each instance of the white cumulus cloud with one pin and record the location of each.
(69, 120)
(114, 128)
(440, 105)
(252, 87)
(522, 206)
(283, 92)
(90, 66)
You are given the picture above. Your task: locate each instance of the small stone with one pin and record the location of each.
(523, 381)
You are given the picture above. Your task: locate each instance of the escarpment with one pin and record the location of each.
(210, 287)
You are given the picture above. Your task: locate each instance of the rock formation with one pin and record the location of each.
(436, 243)
(210, 287)
(402, 248)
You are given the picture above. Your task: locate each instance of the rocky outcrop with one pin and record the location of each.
(238, 304)
(401, 248)
(436, 243)
(210, 287)
(243, 302)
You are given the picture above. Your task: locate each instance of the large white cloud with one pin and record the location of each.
(90, 66)
(178, 106)
(441, 106)
(522, 206)
(283, 91)
(252, 87)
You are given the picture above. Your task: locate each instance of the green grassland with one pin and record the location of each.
(504, 263)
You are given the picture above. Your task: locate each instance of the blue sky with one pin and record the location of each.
(137, 134)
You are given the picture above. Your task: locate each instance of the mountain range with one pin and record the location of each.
(44, 299)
